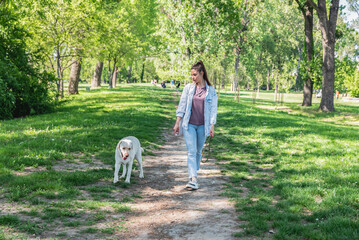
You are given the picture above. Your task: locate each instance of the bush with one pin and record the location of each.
(7, 100)
(353, 85)
(344, 72)
(23, 89)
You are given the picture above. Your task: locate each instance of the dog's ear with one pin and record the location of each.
(119, 144)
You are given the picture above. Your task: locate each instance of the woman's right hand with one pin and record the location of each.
(176, 129)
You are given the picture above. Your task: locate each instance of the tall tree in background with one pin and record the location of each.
(354, 5)
(74, 78)
(328, 26)
(132, 26)
(96, 79)
(193, 35)
(273, 46)
(247, 9)
(307, 11)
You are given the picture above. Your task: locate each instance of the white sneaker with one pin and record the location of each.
(192, 185)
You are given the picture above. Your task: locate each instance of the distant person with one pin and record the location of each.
(172, 83)
(163, 84)
(197, 113)
(319, 93)
(178, 85)
(337, 94)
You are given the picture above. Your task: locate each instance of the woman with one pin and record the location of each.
(198, 109)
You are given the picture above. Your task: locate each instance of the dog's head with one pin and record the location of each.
(125, 148)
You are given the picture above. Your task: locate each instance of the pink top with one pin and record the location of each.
(197, 112)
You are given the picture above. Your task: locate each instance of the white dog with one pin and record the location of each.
(127, 150)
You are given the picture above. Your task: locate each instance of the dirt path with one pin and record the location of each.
(168, 211)
(161, 207)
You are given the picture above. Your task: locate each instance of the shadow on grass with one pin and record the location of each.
(91, 125)
(291, 173)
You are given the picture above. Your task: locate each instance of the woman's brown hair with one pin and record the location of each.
(199, 67)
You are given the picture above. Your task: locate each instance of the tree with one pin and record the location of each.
(272, 47)
(307, 11)
(191, 34)
(328, 29)
(58, 29)
(132, 27)
(96, 79)
(74, 76)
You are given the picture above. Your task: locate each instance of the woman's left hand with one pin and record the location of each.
(211, 132)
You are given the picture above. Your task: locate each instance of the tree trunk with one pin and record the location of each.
(185, 42)
(223, 78)
(328, 28)
(96, 79)
(327, 101)
(59, 71)
(104, 80)
(236, 80)
(215, 79)
(114, 77)
(219, 85)
(129, 74)
(298, 78)
(268, 75)
(109, 73)
(238, 90)
(142, 72)
(74, 77)
(308, 84)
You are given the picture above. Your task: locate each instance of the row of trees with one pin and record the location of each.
(249, 43)
(67, 33)
(58, 40)
(266, 43)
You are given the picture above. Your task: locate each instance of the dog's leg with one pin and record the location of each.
(129, 172)
(139, 159)
(123, 170)
(117, 168)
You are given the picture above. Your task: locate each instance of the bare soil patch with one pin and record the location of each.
(161, 207)
(168, 211)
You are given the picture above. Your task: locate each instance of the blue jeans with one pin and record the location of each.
(195, 139)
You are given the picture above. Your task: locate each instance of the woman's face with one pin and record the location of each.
(197, 77)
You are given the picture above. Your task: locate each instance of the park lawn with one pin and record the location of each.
(294, 172)
(56, 169)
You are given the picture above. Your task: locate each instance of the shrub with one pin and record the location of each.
(353, 85)
(7, 100)
(23, 88)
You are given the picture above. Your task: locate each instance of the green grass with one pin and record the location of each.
(83, 128)
(293, 169)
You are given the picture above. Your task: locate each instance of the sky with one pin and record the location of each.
(349, 14)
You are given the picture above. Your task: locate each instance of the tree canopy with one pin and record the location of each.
(248, 44)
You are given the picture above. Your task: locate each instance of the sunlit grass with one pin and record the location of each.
(294, 171)
(83, 129)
